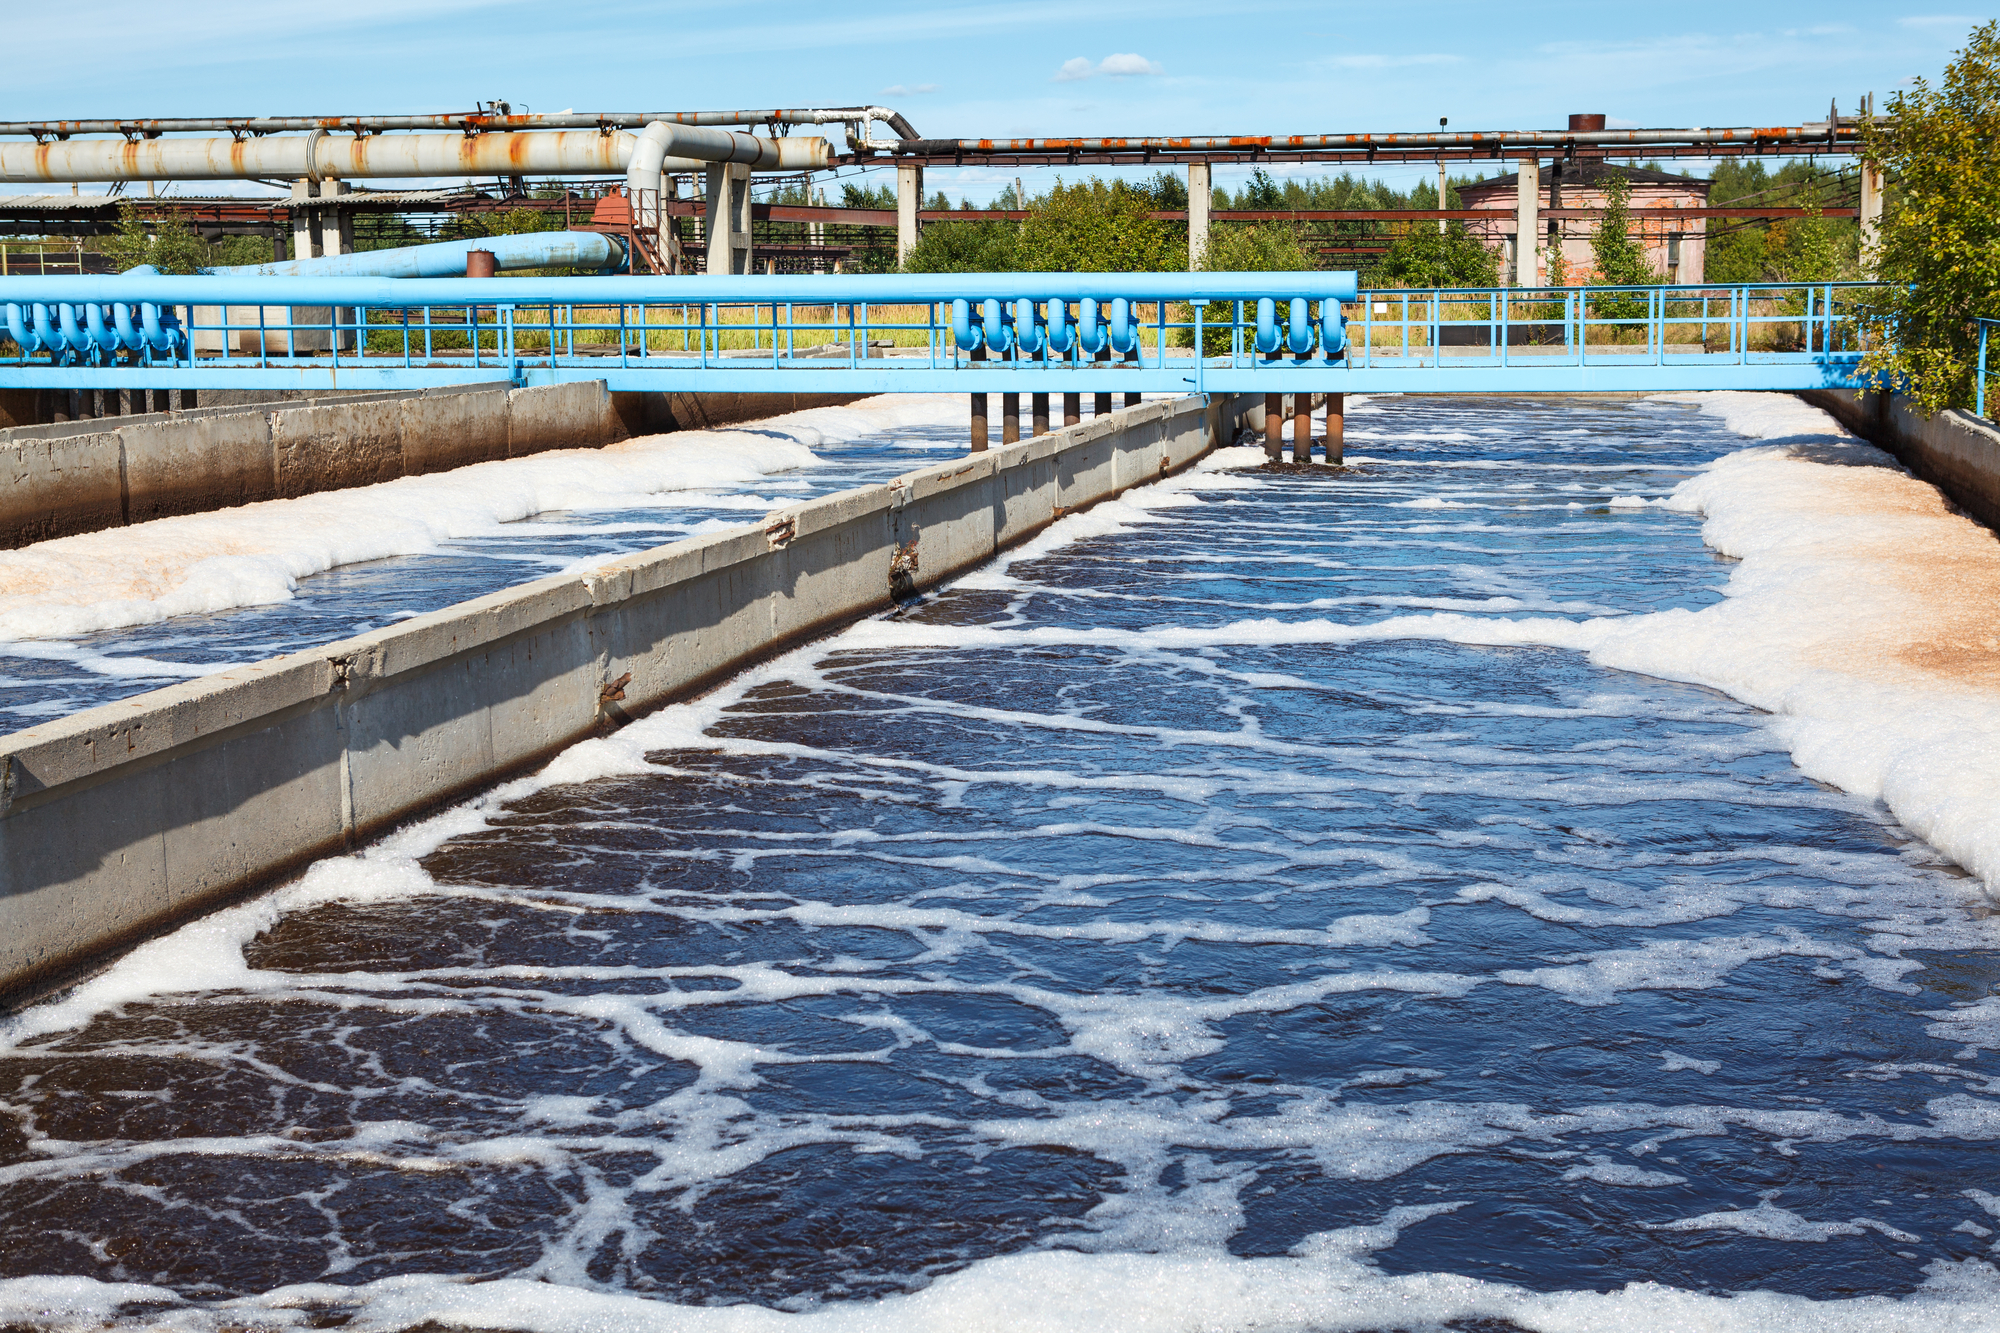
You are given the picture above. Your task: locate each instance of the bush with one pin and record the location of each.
(1094, 227)
(171, 248)
(964, 247)
(1426, 257)
(1272, 247)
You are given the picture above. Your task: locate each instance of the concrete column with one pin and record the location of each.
(1302, 428)
(1336, 427)
(1871, 216)
(1072, 408)
(1527, 223)
(1038, 408)
(1200, 193)
(1274, 427)
(304, 244)
(909, 198)
(1441, 190)
(336, 225)
(728, 208)
(1010, 418)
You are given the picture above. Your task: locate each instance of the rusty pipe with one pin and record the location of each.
(320, 156)
(468, 121)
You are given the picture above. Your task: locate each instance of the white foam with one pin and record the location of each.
(256, 554)
(1326, 1285)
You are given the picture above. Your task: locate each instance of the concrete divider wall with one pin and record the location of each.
(1954, 451)
(119, 821)
(84, 475)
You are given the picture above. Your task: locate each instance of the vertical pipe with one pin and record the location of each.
(1200, 193)
(1336, 427)
(1038, 408)
(1072, 408)
(1274, 427)
(1302, 427)
(1132, 359)
(1010, 418)
(1527, 204)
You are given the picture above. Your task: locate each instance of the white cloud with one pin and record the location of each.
(909, 90)
(1120, 65)
(1125, 65)
(1394, 62)
(1938, 21)
(1620, 123)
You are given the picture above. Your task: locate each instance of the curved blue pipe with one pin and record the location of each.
(1062, 334)
(1299, 334)
(1124, 337)
(999, 333)
(962, 331)
(1332, 330)
(1267, 325)
(1027, 326)
(17, 328)
(1089, 333)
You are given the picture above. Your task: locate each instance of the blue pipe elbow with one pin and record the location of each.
(1299, 334)
(1062, 334)
(1027, 326)
(17, 328)
(1124, 337)
(999, 333)
(1332, 330)
(1267, 325)
(1089, 333)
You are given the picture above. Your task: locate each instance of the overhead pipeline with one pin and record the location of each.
(469, 121)
(321, 156)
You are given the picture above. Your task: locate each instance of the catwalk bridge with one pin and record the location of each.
(955, 333)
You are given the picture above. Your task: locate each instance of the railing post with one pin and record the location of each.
(1979, 384)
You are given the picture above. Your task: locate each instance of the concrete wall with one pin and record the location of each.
(79, 476)
(1955, 451)
(122, 820)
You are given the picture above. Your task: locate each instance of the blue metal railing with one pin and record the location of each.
(1015, 332)
(1979, 376)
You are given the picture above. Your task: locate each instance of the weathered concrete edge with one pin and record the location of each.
(1954, 451)
(122, 821)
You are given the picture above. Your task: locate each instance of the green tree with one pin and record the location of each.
(171, 248)
(1619, 259)
(1095, 227)
(1423, 256)
(964, 247)
(1940, 238)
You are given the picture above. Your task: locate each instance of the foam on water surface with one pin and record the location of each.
(1256, 903)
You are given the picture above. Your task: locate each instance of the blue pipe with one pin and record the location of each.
(1267, 325)
(804, 289)
(446, 259)
(1027, 326)
(1332, 330)
(1089, 333)
(1299, 334)
(1062, 334)
(1124, 337)
(962, 332)
(999, 331)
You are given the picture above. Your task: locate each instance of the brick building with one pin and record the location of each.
(1674, 247)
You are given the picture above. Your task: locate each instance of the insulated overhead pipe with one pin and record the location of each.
(468, 121)
(320, 156)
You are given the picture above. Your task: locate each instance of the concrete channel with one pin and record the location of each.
(80, 476)
(1955, 451)
(121, 820)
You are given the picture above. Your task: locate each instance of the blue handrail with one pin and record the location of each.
(1979, 378)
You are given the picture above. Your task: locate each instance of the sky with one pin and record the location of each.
(1031, 67)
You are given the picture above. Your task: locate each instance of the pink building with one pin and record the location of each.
(1674, 246)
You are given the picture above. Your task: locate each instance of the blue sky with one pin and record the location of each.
(1030, 67)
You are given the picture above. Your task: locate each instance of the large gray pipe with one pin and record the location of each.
(321, 156)
(446, 259)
